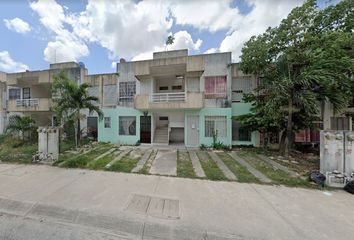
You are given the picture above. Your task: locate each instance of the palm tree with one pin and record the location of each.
(170, 40)
(69, 98)
(21, 125)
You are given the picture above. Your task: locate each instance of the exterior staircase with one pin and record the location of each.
(161, 135)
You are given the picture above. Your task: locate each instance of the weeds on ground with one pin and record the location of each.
(184, 165)
(210, 168)
(241, 172)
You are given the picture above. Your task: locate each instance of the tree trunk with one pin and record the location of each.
(289, 128)
(78, 133)
(282, 143)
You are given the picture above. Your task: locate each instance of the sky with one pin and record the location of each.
(35, 33)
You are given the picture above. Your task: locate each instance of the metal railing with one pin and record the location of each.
(33, 102)
(168, 97)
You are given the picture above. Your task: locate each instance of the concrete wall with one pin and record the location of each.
(211, 112)
(2, 102)
(112, 134)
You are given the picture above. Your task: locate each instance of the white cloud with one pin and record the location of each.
(263, 15)
(206, 14)
(183, 40)
(66, 45)
(7, 64)
(17, 25)
(211, 50)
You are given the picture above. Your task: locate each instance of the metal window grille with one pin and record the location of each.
(339, 123)
(127, 125)
(215, 124)
(107, 122)
(215, 87)
(127, 90)
(14, 94)
(239, 87)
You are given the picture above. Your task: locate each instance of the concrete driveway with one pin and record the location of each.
(42, 201)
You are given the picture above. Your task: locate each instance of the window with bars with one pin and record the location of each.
(215, 87)
(26, 93)
(239, 133)
(239, 87)
(14, 94)
(127, 91)
(107, 122)
(339, 123)
(127, 125)
(215, 124)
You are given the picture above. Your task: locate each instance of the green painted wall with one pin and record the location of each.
(210, 112)
(112, 134)
(240, 109)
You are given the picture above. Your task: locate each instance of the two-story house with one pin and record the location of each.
(176, 98)
(29, 93)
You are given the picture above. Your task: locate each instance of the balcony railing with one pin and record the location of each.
(168, 97)
(33, 104)
(27, 102)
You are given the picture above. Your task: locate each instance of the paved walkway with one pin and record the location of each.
(165, 163)
(277, 165)
(196, 164)
(142, 161)
(43, 202)
(228, 174)
(255, 172)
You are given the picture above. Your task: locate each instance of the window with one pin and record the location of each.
(26, 93)
(107, 122)
(339, 123)
(127, 126)
(178, 87)
(163, 88)
(215, 124)
(163, 118)
(14, 94)
(215, 87)
(239, 133)
(127, 91)
(239, 87)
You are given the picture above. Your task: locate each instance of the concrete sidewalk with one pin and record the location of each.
(205, 210)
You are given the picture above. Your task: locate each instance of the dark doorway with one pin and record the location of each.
(92, 129)
(145, 129)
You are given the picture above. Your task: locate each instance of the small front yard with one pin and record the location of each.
(110, 157)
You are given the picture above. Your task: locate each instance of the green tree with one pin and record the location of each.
(306, 60)
(69, 99)
(170, 40)
(21, 125)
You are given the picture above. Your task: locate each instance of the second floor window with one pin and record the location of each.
(215, 87)
(14, 94)
(26, 93)
(127, 90)
(239, 87)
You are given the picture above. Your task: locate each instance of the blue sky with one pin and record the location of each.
(36, 33)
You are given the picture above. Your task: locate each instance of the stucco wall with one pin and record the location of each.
(112, 134)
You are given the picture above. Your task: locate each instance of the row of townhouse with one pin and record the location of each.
(174, 98)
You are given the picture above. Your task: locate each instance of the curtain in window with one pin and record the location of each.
(215, 87)
(127, 126)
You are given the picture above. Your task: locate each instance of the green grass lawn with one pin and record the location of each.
(184, 165)
(126, 164)
(276, 175)
(210, 168)
(241, 172)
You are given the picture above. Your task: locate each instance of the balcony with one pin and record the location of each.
(164, 101)
(168, 97)
(30, 105)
